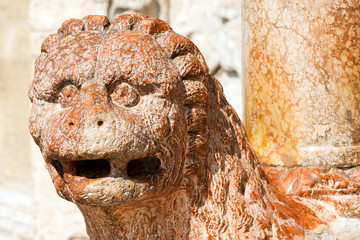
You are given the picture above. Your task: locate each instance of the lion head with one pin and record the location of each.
(119, 105)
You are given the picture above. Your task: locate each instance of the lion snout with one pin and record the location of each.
(96, 135)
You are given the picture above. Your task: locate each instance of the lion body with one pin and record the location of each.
(136, 131)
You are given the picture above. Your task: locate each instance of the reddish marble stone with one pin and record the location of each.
(337, 187)
(301, 74)
(137, 132)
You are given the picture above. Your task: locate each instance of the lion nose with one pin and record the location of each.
(96, 135)
(97, 123)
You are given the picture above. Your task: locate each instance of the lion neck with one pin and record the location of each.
(162, 218)
(215, 212)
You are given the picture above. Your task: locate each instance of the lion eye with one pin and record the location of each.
(125, 95)
(67, 96)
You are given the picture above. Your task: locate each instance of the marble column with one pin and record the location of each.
(301, 72)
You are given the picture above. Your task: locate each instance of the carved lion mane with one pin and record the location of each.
(137, 132)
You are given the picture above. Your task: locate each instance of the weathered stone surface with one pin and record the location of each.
(45, 18)
(302, 77)
(338, 188)
(136, 131)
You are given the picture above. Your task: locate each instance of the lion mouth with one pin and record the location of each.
(143, 168)
(92, 168)
(137, 169)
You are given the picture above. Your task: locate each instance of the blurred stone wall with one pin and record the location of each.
(16, 183)
(29, 206)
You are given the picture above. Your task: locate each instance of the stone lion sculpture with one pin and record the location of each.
(137, 132)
